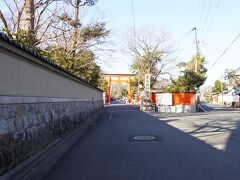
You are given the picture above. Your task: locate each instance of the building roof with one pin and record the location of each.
(7, 39)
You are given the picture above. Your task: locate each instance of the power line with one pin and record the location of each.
(206, 16)
(187, 34)
(183, 37)
(198, 11)
(212, 19)
(225, 51)
(133, 19)
(203, 7)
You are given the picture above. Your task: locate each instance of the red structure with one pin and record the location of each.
(119, 78)
(184, 98)
(177, 98)
(153, 97)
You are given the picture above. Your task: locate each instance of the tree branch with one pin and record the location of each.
(4, 22)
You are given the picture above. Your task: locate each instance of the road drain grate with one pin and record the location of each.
(134, 138)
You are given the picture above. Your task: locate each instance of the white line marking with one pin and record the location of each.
(203, 108)
(110, 116)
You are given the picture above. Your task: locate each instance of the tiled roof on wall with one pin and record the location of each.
(32, 52)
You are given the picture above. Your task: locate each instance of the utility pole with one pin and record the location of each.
(196, 68)
(197, 47)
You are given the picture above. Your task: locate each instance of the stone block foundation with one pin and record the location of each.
(27, 128)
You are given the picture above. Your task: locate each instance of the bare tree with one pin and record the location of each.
(151, 54)
(4, 21)
(14, 12)
(29, 17)
(35, 17)
(72, 34)
(233, 77)
(77, 4)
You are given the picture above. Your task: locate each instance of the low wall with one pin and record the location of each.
(39, 102)
(27, 128)
(225, 99)
(176, 102)
(177, 108)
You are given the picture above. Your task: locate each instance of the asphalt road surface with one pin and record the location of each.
(197, 146)
(213, 107)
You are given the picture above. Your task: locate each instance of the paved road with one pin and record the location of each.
(118, 102)
(108, 152)
(213, 107)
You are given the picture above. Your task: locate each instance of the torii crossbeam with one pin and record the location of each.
(119, 78)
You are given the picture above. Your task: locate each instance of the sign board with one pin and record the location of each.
(147, 85)
(164, 99)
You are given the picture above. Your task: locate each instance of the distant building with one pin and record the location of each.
(237, 73)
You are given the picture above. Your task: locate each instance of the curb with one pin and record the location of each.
(39, 164)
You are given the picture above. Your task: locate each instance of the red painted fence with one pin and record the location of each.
(178, 98)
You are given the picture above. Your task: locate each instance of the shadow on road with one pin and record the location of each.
(213, 107)
(233, 143)
(221, 129)
(105, 152)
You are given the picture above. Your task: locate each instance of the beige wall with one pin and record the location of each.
(22, 74)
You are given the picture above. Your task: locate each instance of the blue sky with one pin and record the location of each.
(177, 18)
(216, 27)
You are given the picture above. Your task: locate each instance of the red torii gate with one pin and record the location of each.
(119, 78)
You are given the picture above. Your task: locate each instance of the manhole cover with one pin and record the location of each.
(144, 138)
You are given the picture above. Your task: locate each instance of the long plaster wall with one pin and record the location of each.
(25, 75)
(38, 104)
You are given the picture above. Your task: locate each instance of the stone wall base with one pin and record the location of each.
(177, 108)
(26, 129)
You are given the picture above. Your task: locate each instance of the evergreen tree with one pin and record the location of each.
(194, 75)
